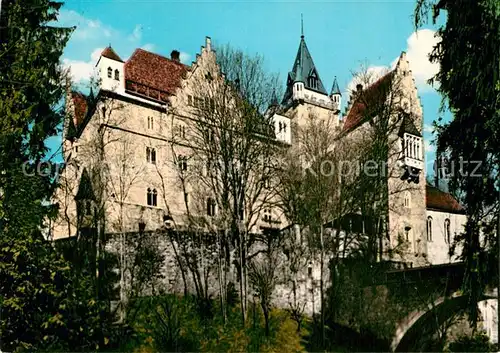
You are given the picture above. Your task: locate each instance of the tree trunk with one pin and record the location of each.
(321, 286)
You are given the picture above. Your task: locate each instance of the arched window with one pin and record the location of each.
(148, 154)
(155, 198)
(280, 127)
(418, 149)
(150, 197)
(284, 128)
(407, 201)
(407, 233)
(429, 228)
(110, 72)
(117, 75)
(447, 233)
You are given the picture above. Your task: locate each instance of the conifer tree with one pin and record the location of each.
(469, 82)
(42, 304)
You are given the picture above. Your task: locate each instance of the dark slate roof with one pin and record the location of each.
(85, 190)
(442, 201)
(109, 53)
(368, 101)
(71, 131)
(335, 87)
(408, 126)
(303, 68)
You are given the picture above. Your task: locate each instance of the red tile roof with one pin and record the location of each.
(80, 104)
(442, 201)
(109, 53)
(154, 71)
(372, 97)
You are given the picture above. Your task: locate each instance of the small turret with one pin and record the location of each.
(335, 95)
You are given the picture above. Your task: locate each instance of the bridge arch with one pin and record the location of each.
(408, 328)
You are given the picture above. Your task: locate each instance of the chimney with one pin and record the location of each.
(175, 56)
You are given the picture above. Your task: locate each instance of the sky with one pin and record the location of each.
(341, 36)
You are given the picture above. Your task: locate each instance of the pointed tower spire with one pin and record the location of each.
(302, 26)
(335, 87)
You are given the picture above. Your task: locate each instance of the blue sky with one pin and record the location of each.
(341, 36)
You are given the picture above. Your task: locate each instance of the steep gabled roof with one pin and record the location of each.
(109, 53)
(368, 101)
(154, 71)
(408, 126)
(303, 68)
(81, 105)
(335, 87)
(85, 189)
(441, 201)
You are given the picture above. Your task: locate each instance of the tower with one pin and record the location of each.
(305, 96)
(335, 95)
(110, 68)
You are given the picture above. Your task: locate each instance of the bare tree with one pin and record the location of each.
(232, 149)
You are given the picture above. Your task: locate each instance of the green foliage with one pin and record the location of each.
(469, 81)
(175, 324)
(477, 343)
(45, 304)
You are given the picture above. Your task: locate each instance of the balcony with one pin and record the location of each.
(413, 163)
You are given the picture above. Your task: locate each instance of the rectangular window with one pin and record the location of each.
(210, 207)
(182, 163)
(190, 100)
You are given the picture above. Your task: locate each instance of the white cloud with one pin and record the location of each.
(420, 45)
(86, 29)
(82, 71)
(136, 34)
(429, 147)
(429, 128)
(149, 47)
(366, 77)
(184, 57)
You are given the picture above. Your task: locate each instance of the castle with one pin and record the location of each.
(138, 122)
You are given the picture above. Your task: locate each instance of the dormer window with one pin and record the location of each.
(110, 72)
(117, 75)
(312, 82)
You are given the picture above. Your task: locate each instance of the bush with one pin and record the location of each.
(174, 324)
(477, 343)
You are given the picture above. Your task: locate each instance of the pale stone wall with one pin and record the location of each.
(401, 217)
(439, 247)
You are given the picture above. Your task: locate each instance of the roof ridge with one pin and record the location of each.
(158, 55)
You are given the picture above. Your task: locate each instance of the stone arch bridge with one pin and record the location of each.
(433, 295)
